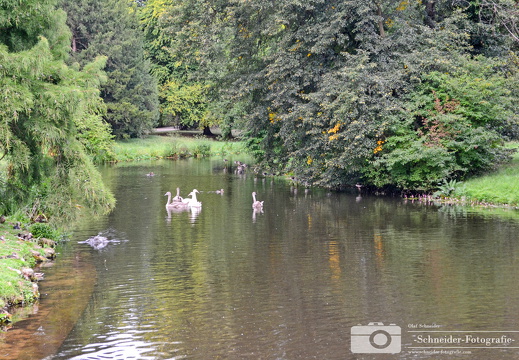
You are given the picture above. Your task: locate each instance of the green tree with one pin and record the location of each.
(23, 22)
(189, 44)
(314, 83)
(172, 30)
(47, 116)
(451, 127)
(332, 79)
(111, 28)
(319, 86)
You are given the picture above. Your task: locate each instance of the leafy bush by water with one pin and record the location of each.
(40, 230)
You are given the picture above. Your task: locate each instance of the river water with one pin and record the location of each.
(301, 280)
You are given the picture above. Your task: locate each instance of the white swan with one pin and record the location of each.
(255, 203)
(178, 198)
(193, 202)
(174, 204)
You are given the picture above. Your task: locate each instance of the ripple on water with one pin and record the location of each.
(290, 282)
(123, 343)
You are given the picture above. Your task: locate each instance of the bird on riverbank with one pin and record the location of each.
(255, 203)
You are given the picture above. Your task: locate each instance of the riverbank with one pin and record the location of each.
(23, 248)
(174, 146)
(497, 187)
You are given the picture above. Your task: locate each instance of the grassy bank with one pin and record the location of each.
(499, 187)
(175, 147)
(21, 249)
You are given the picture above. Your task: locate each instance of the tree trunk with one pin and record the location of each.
(381, 31)
(207, 131)
(430, 13)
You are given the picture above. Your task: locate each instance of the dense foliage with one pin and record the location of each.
(408, 94)
(111, 29)
(50, 116)
(404, 94)
(180, 40)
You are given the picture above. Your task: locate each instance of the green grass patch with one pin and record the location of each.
(175, 147)
(17, 254)
(499, 187)
(13, 288)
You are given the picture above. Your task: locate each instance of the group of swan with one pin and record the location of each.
(179, 202)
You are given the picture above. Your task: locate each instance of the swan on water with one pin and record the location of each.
(255, 203)
(193, 202)
(174, 204)
(178, 198)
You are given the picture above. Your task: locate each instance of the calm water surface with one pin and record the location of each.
(288, 283)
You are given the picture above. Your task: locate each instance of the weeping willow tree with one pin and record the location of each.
(51, 123)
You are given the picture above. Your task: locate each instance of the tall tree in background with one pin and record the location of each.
(325, 88)
(110, 28)
(50, 116)
(185, 41)
(337, 78)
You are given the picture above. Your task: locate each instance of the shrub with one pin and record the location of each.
(201, 150)
(450, 127)
(40, 230)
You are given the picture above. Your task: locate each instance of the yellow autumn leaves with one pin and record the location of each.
(379, 147)
(333, 131)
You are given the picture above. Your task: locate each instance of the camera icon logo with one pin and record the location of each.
(376, 338)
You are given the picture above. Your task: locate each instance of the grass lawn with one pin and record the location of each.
(160, 147)
(499, 187)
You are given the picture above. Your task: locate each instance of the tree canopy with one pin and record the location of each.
(50, 115)
(402, 94)
(111, 29)
(180, 40)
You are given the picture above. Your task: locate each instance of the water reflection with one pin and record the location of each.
(193, 212)
(255, 212)
(71, 280)
(290, 282)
